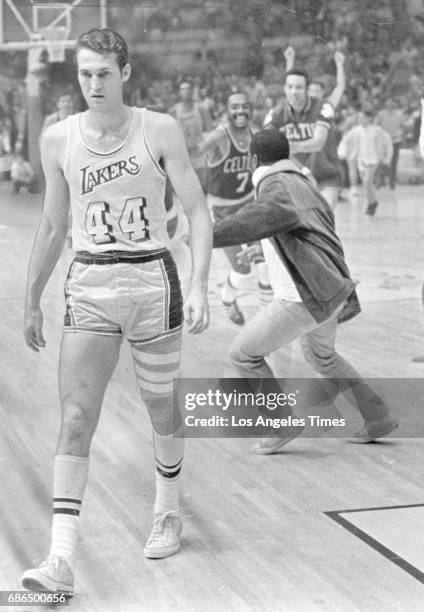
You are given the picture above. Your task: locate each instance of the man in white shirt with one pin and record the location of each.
(371, 146)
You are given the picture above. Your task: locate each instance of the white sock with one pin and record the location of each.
(266, 293)
(232, 283)
(70, 479)
(169, 453)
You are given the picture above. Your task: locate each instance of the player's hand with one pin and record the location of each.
(289, 54)
(248, 253)
(196, 310)
(339, 58)
(33, 329)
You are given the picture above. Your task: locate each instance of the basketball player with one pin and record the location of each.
(306, 257)
(111, 163)
(229, 189)
(307, 122)
(194, 121)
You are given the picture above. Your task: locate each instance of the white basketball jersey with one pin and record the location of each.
(117, 198)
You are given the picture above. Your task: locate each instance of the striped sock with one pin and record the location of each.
(169, 452)
(266, 294)
(70, 479)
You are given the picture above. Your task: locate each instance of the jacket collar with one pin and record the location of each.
(285, 165)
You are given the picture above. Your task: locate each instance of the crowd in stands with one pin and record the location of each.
(381, 43)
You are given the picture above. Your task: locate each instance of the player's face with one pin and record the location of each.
(295, 89)
(101, 79)
(238, 109)
(316, 91)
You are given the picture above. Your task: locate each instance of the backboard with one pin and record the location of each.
(26, 24)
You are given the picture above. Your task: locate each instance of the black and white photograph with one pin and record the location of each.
(212, 305)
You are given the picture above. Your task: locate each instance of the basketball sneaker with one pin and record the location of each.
(234, 313)
(372, 430)
(54, 574)
(164, 539)
(272, 443)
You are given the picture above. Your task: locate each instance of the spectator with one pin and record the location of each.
(65, 107)
(370, 146)
(255, 91)
(22, 174)
(392, 120)
(193, 121)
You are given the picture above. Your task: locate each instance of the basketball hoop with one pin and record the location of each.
(55, 37)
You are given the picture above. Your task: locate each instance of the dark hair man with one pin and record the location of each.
(310, 278)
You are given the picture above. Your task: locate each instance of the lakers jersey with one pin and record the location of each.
(117, 198)
(230, 177)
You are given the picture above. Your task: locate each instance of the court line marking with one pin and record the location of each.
(372, 542)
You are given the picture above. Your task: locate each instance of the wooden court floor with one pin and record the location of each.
(256, 533)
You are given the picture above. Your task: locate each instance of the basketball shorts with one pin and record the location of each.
(133, 294)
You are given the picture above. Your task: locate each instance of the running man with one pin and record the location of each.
(229, 189)
(111, 163)
(307, 121)
(306, 259)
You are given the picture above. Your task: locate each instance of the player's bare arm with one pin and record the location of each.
(314, 144)
(171, 148)
(213, 139)
(51, 233)
(289, 56)
(337, 93)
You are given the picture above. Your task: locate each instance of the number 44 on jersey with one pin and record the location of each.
(132, 221)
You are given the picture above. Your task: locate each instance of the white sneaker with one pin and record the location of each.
(164, 539)
(54, 574)
(272, 443)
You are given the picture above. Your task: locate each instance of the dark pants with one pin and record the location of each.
(393, 164)
(389, 171)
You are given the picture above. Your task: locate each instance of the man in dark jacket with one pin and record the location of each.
(310, 278)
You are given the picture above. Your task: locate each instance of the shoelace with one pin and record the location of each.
(53, 562)
(161, 527)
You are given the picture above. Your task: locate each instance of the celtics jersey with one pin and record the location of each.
(300, 126)
(117, 198)
(230, 175)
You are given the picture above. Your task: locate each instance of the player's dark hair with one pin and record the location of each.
(104, 41)
(270, 146)
(238, 93)
(297, 72)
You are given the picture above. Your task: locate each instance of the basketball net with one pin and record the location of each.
(55, 37)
